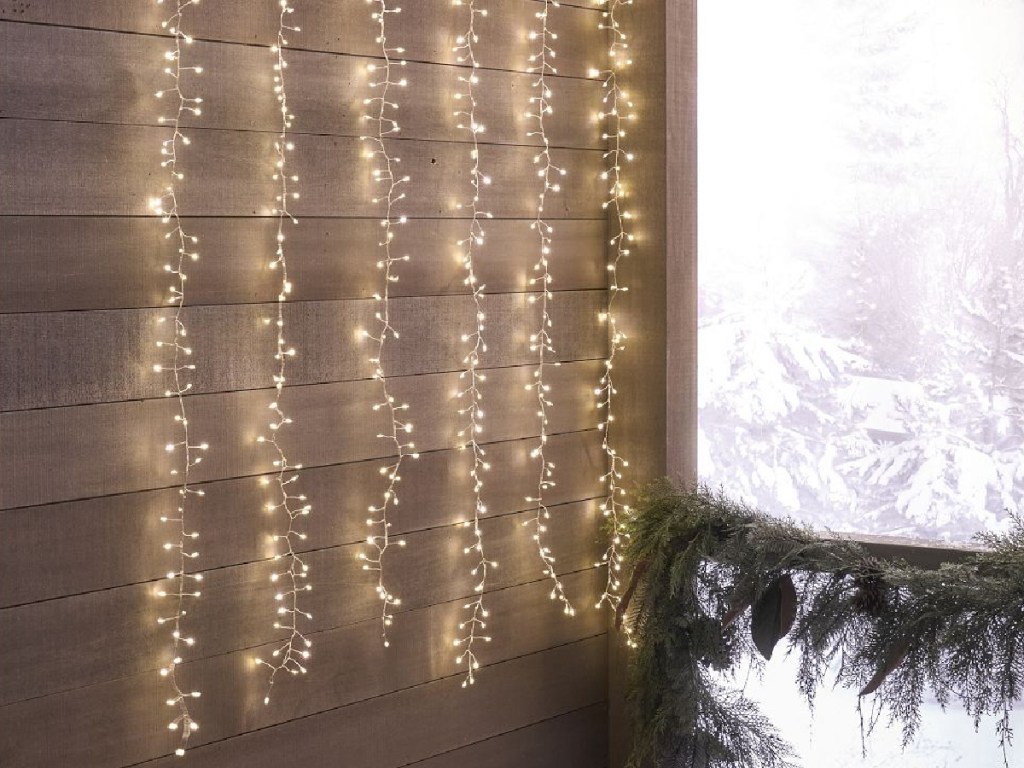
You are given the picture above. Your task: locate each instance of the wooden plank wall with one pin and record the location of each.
(83, 474)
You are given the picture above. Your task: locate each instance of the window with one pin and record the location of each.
(861, 292)
(861, 342)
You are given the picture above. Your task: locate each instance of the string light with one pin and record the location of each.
(386, 174)
(618, 110)
(178, 588)
(469, 436)
(540, 342)
(293, 653)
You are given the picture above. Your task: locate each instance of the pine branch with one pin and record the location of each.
(896, 632)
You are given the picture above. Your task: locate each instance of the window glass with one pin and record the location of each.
(830, 737)
(861, 240)
(861, 342)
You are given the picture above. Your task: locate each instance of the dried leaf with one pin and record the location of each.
(787, 604)
(773, 614)
(896, 655)
(736, 608)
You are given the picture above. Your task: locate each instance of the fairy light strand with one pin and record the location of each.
(540, 341)
(188, 454)
(617, 110)
(472, 628)
(293, 653)
(386, 174)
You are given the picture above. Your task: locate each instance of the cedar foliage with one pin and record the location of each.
(895, 631)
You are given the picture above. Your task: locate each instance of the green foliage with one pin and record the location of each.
(899, 632)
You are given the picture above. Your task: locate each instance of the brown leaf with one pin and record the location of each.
(773, 614)
(787, 604)
(896, 655)
(736, 608)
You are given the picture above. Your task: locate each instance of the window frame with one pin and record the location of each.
(682, 197)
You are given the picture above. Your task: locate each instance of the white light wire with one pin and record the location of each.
(617, 110)
(472, 628)
(187, 452)
(386, 174)
(540, 341)
(293, 653)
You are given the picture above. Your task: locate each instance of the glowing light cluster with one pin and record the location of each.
(292, 655)
(472, 628)
(540, 341)
(179, 589)
(618, 110)
(386, 174)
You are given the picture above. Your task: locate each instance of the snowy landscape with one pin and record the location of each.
(830, 736)
(861, 342)
(861, 327)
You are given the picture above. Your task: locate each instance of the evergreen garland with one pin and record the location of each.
(715, 582)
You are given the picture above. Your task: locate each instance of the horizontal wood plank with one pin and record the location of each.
(103, 77)
(573, 740)
(113, 170)
(83, 473)
(89, 639)
(74, 263)
(108, 356)
(50, 551)
(60, 454)
(426, 28)
(125, 718)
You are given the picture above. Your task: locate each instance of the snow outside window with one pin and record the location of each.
(861, 307)
(862, 260)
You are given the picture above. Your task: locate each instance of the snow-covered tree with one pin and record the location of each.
(774, 425)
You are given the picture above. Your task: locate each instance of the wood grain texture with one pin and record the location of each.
(108, 356)
(572, 740)
(84, 477)
(60, 454)
(426, 28)
(102, 77)
(57, 543)
(425, 721)
(74, 263)
(125, 727)
(681, 240)
(113, 170)
(86, 640)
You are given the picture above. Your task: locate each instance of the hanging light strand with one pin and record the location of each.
(386, 174)
(617, 111)
(540, 341)
(181, 586)
(473, 627)
(293, 653)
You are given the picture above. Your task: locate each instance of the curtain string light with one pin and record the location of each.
(469, 436)
(386, 174)
(540, 342)
(179, 590)
(293, 653)
(617, 110)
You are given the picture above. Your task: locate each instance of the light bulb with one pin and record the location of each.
(541, 341)
(381, 106)
(617, 110)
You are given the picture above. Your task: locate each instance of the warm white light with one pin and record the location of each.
(617, 111)
(185, 452)
(471, 628)
(380, 106)
(293, 653)
(540, 341)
